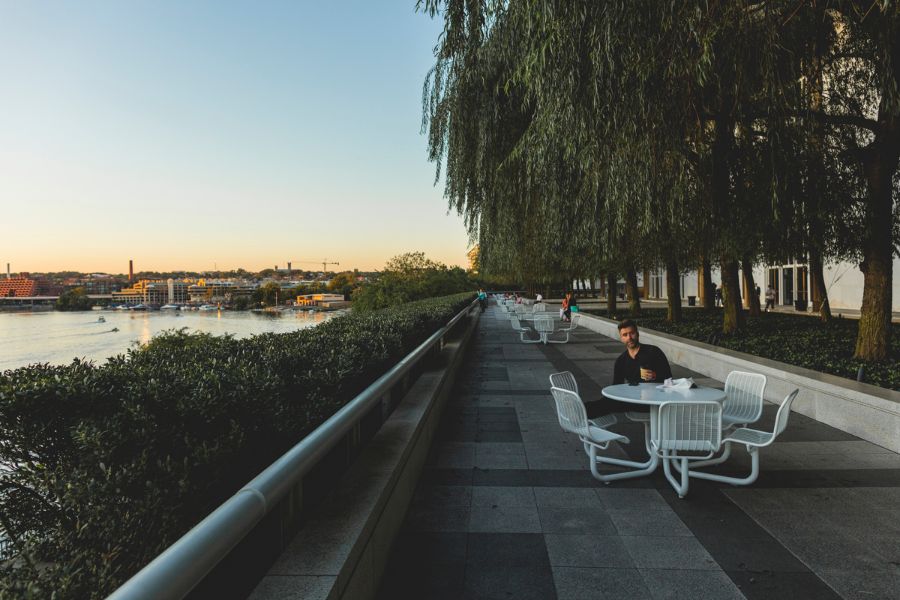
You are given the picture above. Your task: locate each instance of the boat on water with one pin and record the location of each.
(97, 307)
(170, 307)
(139, 307)
(101, 320)
(121, 307)
(208, 307)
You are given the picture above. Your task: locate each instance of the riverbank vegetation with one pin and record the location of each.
(102, 468)
(792, 339)
(409, 277)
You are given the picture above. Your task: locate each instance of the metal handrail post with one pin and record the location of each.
(175, 572)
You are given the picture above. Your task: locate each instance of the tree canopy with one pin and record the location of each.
(579, 138)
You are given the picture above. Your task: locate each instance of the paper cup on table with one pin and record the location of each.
(645, 374)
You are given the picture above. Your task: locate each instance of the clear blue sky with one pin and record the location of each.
(184, 134)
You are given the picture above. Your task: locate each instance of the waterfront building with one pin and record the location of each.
(153, 291)
(16, 287)
(217, 290)
(322, 300)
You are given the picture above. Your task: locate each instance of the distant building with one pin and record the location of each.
(16, 287)
(215, 290)
(153, 291)
(323, 300)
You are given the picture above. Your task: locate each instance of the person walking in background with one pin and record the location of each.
(770, 298)
(482, 299)
(718, 295)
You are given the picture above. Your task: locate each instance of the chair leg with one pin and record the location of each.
(726, 453)
(641, 470)
(681, 487)
(754, 471)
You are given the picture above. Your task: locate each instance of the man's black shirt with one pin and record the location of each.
(648, 357)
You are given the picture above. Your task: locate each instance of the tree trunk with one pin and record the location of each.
(731, 297)
(646, 284)
(750, 287)
(820, 302)
(631, 288)
(673, 292)
(707, 298)
(612, 290)
(874, 339)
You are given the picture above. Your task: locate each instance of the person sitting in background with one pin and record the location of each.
(567, 304)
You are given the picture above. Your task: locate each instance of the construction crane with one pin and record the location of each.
(324, 262)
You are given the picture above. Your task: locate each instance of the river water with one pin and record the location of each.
(58, 337)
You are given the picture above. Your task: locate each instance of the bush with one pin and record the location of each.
(793, 339)
(110, 465)
(409, 277)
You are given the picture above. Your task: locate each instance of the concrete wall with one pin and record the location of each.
(867, 411)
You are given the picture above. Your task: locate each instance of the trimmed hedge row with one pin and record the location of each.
(105, 467)
(793, 339)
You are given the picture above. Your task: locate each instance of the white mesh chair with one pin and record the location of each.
(544, 327)
(522, 331)
(744, 393)
(566, 381)
(538, 307)
(686, 431)
(521, 312)
(753, 439)
(573, 418)
(573, 324)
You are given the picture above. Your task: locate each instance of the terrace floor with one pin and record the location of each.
(507, 507)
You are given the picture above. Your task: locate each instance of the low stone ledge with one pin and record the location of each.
(867, 411)
(342, 551)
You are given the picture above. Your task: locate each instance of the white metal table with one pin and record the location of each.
(648, 394)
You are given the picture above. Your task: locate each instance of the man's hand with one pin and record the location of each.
(647, 374)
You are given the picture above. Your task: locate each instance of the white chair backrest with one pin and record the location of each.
(564, 380)
(689, 426)
(538, 307)
(744, 393)
(516, 325)
(784, 411)
(543, 324)
(570, 411)
(520, 310)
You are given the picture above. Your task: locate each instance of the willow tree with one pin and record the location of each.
(541, 109)
(860, 111)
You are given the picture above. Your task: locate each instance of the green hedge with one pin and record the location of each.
(793, 339)
(107, 466)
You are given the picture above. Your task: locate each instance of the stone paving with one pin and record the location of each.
(507, 508)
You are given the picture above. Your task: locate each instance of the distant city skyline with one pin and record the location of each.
(190, 136)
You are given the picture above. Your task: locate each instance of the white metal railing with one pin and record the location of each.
(184, 564)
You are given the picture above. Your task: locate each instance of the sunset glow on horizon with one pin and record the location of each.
(200, 136)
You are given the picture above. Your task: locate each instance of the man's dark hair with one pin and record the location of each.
(626, 324)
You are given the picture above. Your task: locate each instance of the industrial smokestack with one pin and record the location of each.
(8, 273)
(289, 270)
(130, 271)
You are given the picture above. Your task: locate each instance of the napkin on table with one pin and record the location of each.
(683, 383)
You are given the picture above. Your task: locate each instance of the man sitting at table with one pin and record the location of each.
(640, 362)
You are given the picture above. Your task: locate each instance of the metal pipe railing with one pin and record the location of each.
(184, 564)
